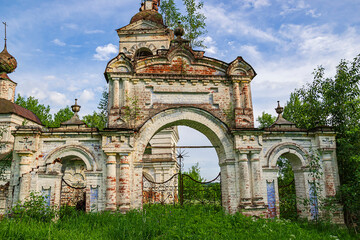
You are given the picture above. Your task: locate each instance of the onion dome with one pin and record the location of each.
(149, 15)
(7, 62)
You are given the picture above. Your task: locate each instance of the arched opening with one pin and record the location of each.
(198, 167)
(143, 52)
(287, 190)
(287, 186)
(73, 184)
(200, 120)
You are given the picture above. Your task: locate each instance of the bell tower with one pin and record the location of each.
(146, 33)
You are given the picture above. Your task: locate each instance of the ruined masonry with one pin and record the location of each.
(156, 83)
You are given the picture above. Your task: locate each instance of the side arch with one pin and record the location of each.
(198, 119)
(73, 150)
(292, 149)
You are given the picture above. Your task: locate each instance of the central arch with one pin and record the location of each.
(214, 129)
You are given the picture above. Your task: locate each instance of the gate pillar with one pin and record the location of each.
(111, 182)
(228, 185)
(24, 170)
(244, 180)
(257, 198)
(124, 184)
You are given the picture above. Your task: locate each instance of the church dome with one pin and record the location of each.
(7, 62)
(149, 15)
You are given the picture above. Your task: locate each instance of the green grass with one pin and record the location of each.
(167, 222)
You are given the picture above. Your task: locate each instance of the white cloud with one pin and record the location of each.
(235, 24)
(58, 42)
(86, 96)
(257, 3)
(313, 13)
(104, 53)
(96, 31)
(50, 77)
(210, 45)
(297, 6)
(58, 98)
(251, 51)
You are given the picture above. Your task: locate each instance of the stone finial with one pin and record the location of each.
(75, 120)
(279, 110)
(75, 108)
(179, 31)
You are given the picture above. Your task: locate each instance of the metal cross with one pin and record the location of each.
(5, 24)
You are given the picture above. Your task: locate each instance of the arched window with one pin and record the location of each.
(143, 52)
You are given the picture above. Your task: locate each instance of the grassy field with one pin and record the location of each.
(167, 222)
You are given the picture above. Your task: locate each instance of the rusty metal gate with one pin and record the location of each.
(182, 189)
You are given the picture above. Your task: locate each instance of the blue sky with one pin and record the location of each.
(62, 47)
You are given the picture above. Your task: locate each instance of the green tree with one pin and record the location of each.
(335, 102)
(95, 120)
(266, 120)
(193, 20)
(193, 191)
(61, 116)
(99, 119)
(287, 193)
(170, 12)
(40, 110)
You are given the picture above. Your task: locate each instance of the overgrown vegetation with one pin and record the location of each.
(335, 102)
(195, 192)
(131, 112)
(165, 222)
(192, 20)
(287, 192)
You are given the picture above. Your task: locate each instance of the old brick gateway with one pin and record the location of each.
(157, 82)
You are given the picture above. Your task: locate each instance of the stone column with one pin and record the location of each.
(116, 93)
(236, 89)
(124, 184)
(24, 173)
(228, 186)
(256, 179)
(244, 180)
(111, 182)
(330, 188)
(247, 94)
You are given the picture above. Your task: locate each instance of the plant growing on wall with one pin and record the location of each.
(230, 115)
(131, 112)
(193, 20)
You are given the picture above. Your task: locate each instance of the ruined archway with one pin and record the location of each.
(204, 122)
(297, 157)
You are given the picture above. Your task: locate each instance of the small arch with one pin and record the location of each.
(294, 152)
(75, 151)
(143, 52)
